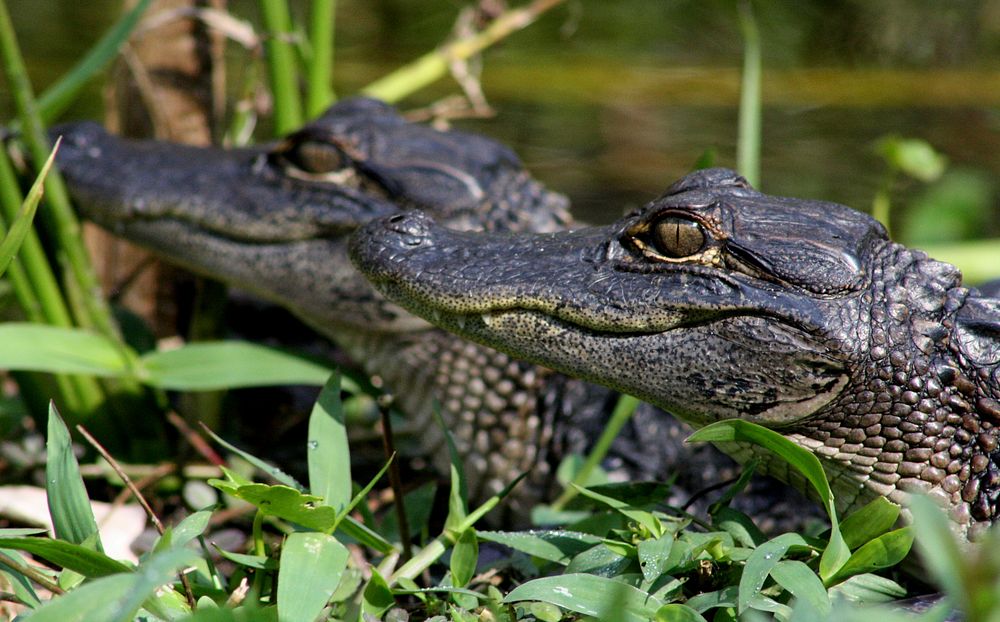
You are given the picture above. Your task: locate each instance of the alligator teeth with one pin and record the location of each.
(436, 316)
(460, 320)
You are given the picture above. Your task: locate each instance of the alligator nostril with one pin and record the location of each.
(412, 227)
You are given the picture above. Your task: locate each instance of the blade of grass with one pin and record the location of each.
(281, 66)
(60, 95)
(22, 223)
(319, 72)
(434, 65)
(619, 417)
(69, 505)
(328, 454)
(748, 144)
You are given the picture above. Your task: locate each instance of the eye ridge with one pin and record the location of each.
(677, 237)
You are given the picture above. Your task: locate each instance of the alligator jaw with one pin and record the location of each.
(678, 338)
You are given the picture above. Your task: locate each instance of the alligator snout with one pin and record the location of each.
(389, 238)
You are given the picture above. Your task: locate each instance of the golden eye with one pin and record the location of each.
(318, 157)
(678, 237)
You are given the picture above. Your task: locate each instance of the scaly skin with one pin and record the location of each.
(716, 302)
(274, 220)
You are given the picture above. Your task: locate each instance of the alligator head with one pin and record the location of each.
(716, 301)
(274, 219)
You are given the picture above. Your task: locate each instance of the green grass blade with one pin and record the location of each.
(941, 553)
(209, 366)
(22, 224)
(264, 466)
(802, 583)
(624, 409)
(55, 349)
(458, 495)
(320, 69)
(75, 557)
(311, 568)
(464, 557)
(69, 505)
(60, 95)
(281, 66)
(327, 450)
(748, 145)
(590, 595)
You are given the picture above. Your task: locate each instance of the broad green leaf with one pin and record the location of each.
(590, 595)
(288, 503)
(55, 349)
(311, 567)
(458, 494)
(57, 97)
(884, 551)
(152, 573)
(210, 366)
(191, 527)
(377, 596)
(654, 556)
(726, 597)
(75, 557)
(601, 560)
(69, 505)
(836, 552)
(22, 222)
(738, 525)
(942, 555)
(555, 546)
(869, 522)
(94, 600)
(802, 583)
(115, 598)
(678, 613)
(759, 566)
(327, 452)
(868, 588)
(464, 556)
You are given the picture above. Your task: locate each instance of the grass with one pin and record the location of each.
(329, 548)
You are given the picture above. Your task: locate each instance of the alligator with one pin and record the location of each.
(716, 301)
(274, 220)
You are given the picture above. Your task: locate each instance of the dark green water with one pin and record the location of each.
(609, 101)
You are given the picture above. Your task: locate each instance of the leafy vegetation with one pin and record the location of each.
(317, 550)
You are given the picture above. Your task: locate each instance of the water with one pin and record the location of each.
(609, 102)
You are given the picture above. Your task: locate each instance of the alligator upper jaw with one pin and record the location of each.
(227, 193)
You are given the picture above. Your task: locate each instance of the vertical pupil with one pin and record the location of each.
(678, 237)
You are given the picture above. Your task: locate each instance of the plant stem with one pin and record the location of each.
(320, 69)
(619, 417)
(281, 66)
(748, 145)
(433, 65)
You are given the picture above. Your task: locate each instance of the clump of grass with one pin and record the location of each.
(624, 560)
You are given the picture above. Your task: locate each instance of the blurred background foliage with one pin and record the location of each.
(609, 102)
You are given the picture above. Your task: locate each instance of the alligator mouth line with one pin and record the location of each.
(192, 227)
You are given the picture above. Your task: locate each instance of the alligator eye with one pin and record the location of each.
(678, 237)
(314, 156)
